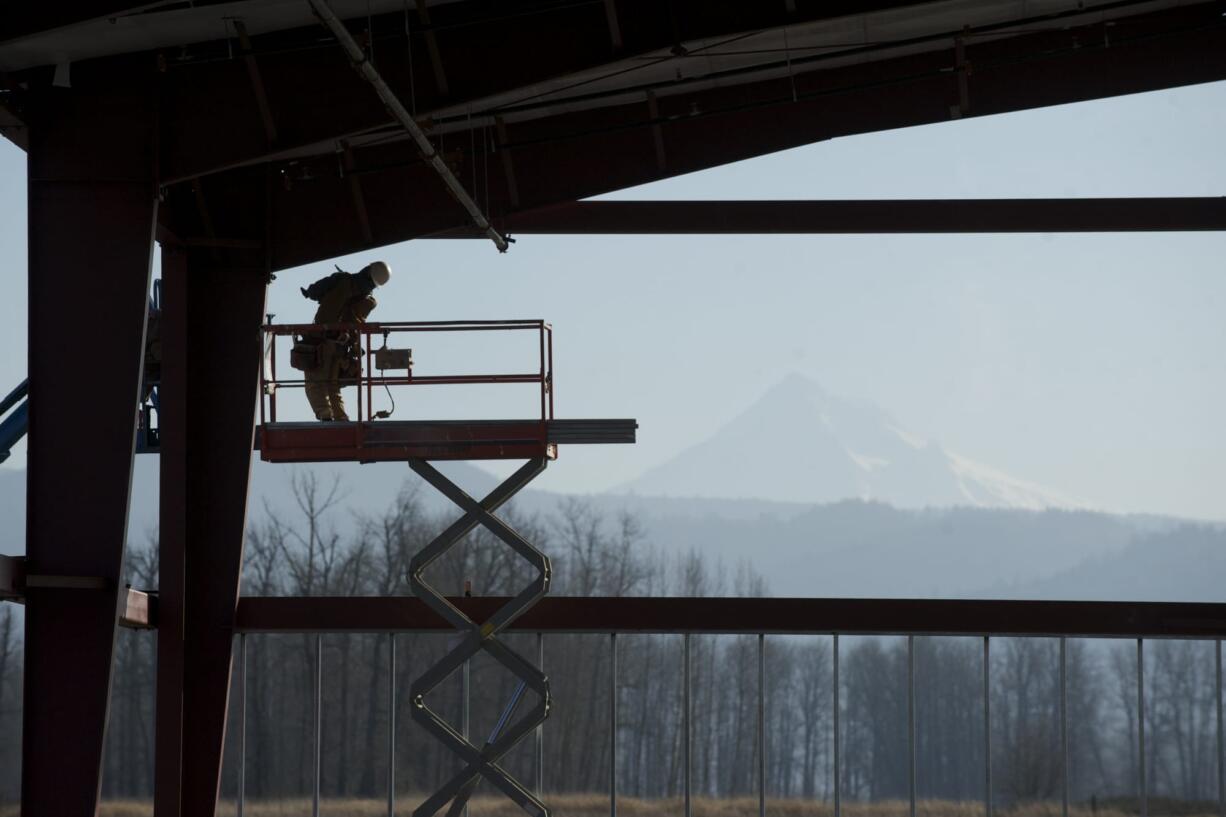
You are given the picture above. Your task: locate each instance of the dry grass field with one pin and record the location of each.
(592, 805)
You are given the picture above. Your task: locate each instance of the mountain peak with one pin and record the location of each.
(800, 443)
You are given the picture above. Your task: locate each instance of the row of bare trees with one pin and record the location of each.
(303, 554)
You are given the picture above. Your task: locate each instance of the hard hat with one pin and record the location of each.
(379, 272)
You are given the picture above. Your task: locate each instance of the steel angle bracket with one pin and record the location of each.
(480, 762)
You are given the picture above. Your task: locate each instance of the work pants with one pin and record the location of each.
(323, 385)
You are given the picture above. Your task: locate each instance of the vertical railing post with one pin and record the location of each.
(685, 723)
(391, 725)
(318, 724)
(540, 729)
(987, 726)
(240, 796)
(613, 725)
(1064, 781)
(1141, 726)
(465, 708)
(838, 738)
(911, 721)
(761, 725)
(1221, 735)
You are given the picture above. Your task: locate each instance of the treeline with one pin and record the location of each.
(301, 554)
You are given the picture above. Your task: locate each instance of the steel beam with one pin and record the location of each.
(172, 516)
(92, 210)
(209, 387)
(1113, 215)
(750, 615)
(402, 116)
(12, 578)
(553, 156)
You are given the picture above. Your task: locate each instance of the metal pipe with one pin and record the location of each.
(466, 708)
(242, 724)
(391, 725)
(544, 383)
(1141, 725)
(406, 120)
(685, 720)
(987, 726)
(838, 771)
(761, 725)
(1064, 781)
(540, 729)
(1221, 735)
(911, 721)
(613, 725)
(318, 724)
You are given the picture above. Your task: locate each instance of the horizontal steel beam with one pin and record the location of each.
(1116, 215)
(751, 615)
(138, 609)
(12, 577)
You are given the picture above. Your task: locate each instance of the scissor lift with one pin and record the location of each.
(373, 437)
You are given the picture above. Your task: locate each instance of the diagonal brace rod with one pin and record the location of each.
(401, 114)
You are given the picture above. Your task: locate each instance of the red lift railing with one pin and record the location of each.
(368, 379)
(366, 435)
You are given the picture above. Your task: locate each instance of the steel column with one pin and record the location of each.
(210, 377)
(172, 520)
(613, 725)
(92, 203)
(1064, 781)
(761, 725)
(241, 795)
(987, 726)
(838, 768)
(317, 725)
(686, 731)
(539, 737)
(391, 725)
(911, 722)
(1221, 735)
(1141, 727)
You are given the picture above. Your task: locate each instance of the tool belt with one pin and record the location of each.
(351, 364)
(304, 356)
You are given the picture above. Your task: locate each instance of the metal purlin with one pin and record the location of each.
(480, 636)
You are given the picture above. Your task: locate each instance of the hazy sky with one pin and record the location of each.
(1092, 364)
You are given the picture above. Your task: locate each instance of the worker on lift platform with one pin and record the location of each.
(344, 297)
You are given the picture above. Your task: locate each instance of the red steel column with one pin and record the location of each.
(92, 208)
(172, 394)
(214, 309)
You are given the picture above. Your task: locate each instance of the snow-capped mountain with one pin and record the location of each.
(799, 443)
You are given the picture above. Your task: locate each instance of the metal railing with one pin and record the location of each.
(1164, 620)
(368, 378)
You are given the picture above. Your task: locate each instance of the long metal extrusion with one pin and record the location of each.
(629, 614)
(1101, 215)
(478, 634)
(402, 115)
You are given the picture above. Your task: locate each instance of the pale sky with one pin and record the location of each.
(1091, 364)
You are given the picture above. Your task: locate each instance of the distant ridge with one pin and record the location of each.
(799, 443)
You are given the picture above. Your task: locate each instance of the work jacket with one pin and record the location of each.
(346, 298)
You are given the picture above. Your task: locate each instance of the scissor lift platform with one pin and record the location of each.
(401, 440)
